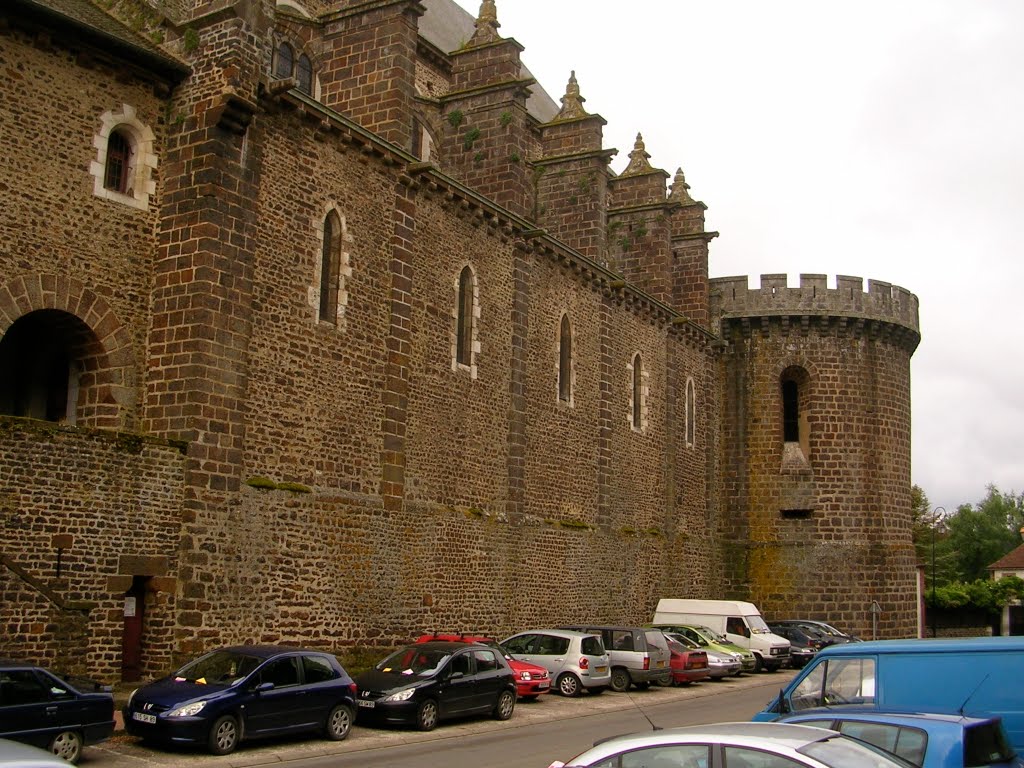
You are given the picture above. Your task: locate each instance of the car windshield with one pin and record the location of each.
(845, 752)
(757, 625)
(414, 660)
(218, 667)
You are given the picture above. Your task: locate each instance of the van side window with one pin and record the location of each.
(735, 625)
(836, 681)
(622, 640)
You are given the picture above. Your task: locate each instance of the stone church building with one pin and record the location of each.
(321, 322)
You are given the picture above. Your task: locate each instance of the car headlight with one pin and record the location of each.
(525, 676)
(188, 710)
(401, 695)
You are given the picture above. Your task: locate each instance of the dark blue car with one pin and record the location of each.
(56, 713)
(245, 692)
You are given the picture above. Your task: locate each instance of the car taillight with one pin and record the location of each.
(647, 662)
(584, 662)
(354, 688)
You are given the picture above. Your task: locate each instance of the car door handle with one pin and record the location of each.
(51, 710)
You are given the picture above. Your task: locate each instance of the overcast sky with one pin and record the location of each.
(882, 138)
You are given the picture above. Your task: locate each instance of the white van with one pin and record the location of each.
(740, 622)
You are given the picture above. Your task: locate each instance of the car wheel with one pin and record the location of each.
(339, 722)
(506, 706)
(758, 664)
(568, 684)
(426, 715)
(620, 680)
(223, 735)
(67, 745)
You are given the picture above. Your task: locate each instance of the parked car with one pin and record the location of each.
(60, 714)
(804, 642)
(244, 692)
(708, 639)
(830, 632)
(576, 661)
(734, 745)
(15, 754)
(721, 664)
(424, 683)
(639, 655)
(926, 740)
(689, 665)
(531, 679)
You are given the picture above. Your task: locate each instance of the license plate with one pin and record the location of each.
(659, 663)
(142, 717)
(601, 670)
(367, 704)
(543, 686)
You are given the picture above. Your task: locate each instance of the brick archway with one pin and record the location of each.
(111, 374)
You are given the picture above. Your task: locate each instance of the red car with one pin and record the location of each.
(688, 664)
(531, 680)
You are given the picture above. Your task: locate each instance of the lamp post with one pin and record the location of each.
(935, 524)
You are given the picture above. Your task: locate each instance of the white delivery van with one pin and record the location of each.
(740, 622)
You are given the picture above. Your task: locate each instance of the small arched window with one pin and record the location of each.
(285, 61)
(118, 168)
(795, 392)
(330, 267)
(464, 321)
(636, 416)
(304, 74)
(565, 361)
(691, 413)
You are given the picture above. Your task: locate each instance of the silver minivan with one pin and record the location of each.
(639, 655)
(575, 660)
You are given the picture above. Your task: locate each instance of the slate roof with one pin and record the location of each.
(1014, 561)
(86, 24)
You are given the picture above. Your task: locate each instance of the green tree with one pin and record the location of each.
(981, 534)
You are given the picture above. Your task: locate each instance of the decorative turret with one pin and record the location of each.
(486, 122)
(572, 176)
(690, 252)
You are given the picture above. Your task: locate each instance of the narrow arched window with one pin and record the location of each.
(565, 361)
(304, 74)
(285, 61)
(638, 392)
(795, 388)
(464, 323)
(691, 413)
(119, 154)
(330, 267)
(790, 412)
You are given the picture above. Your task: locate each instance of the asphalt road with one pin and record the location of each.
(552, 728)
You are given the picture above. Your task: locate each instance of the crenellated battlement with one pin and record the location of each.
(882, 301)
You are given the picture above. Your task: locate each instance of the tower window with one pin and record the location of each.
(285, 61)
(330, 267)
(465, 318)
(304, 74)
(638, 393)
(565, 361)
(790, 412)
(796, 407)
(119, 155)
(691, 413)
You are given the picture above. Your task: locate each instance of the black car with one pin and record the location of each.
(424, 683)
(61, 714)
(830, 634)
(804, 642)
(245, 692)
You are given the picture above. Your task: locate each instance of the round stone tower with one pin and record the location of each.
(815, 446)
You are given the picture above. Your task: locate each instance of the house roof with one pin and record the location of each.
(87, 25)
(1014, 561)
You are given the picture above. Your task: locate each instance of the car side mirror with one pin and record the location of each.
(783, 707)
(456, 675)
(263, 687)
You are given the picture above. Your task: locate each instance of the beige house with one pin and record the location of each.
(1011, 564)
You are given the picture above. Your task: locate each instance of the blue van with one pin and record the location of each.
(977, 676)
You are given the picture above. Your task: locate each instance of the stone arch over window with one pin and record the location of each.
(122, 170)
(565, 361)
(795, 392)
(691, 413)
(424, 145)
(638, 393)
(327, 294)
(64, 355)
(466, 316)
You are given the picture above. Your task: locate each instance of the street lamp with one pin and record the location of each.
(935, 524)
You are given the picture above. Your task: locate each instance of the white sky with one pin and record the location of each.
(882, 138)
